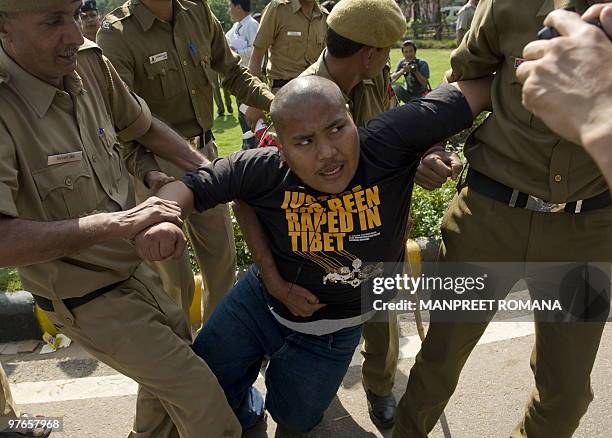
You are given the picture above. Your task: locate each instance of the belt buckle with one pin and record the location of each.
(541, 206)
(196, 142)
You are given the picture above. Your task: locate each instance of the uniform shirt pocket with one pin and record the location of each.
(202, 57)
(66, 190)
(296, 44)
(163, 78)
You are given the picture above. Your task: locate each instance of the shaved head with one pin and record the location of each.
(317, 136)
(300, 93)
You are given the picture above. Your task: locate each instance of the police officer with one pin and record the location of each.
(67, 215)
(165, 51)
(531, 197)
(294, 31)
(90, 19)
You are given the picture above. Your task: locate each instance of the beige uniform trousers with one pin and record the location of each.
(138, 330)
(380, 353)
(212, 239)
(478, 229)
(8, 410)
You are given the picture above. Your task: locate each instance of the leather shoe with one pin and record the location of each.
(381, 409)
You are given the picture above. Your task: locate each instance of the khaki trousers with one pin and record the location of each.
(8, 410)
(380, 354)
(476, 228)
(138, 330)
(212, 240)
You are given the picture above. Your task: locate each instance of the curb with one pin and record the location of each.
(20, 320)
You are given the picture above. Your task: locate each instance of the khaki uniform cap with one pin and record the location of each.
(348, 17)
(29, 5)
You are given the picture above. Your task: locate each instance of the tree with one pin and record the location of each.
(105, 6)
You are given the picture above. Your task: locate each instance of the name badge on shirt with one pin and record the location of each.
(294, 33)
(64, 158)
(159, 57)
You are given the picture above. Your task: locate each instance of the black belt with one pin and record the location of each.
(208, 136)
(72, 303)
(277, 83)
(512, 197)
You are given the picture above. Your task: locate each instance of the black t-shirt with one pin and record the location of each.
(333, 244)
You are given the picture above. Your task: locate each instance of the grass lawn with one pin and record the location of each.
(227, 130)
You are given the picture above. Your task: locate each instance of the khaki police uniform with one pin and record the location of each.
(515, 149)
(8, 409)
(381, 347)
(170, 67)
(69, 163)
(295, 41)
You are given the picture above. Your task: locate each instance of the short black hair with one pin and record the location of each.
(410, 43)
(244, 4)
(340, 47)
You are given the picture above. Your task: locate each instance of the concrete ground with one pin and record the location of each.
(95, 401)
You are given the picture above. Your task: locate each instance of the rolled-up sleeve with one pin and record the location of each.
(131, 113)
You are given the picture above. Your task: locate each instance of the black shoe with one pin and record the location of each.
(381, 409)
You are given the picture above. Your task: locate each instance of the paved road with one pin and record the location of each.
(97, 402)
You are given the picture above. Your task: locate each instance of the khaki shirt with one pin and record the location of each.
(169, 66)
(370, 97)
(513, 146)
(295, 41)
(60, 158)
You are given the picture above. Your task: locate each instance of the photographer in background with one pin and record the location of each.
(415, 72)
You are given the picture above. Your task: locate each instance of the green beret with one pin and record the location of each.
(374, 23)
(31, 5)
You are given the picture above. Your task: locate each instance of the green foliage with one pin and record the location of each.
(105, 6)
(449, 44)
(221, 11)
(243, 255)
(9, 280)
(427, 209)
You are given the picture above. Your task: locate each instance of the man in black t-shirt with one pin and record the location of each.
(333, 202)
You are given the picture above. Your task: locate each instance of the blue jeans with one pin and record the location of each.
(304, 372)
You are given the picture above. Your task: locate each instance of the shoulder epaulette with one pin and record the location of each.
(114, 18)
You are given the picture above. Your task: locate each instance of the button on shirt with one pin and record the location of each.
(513, 146)
(241, 37)
(48, 141)
(169, 65)
(295, 41)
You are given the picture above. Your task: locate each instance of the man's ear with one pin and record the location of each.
(368, 55)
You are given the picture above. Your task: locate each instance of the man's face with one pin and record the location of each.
(378, 60)
(45, 43)
(409, 53)
(320, 144)
(233, 9)
(91, 24)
